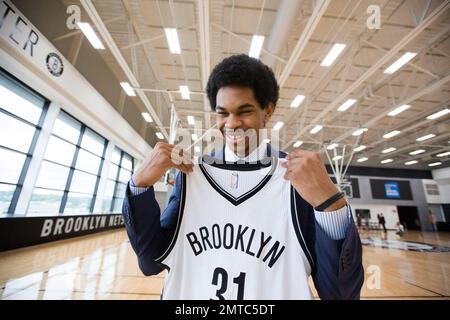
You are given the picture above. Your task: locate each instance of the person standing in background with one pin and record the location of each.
(382, 222)
(400, 229)
(432, 220)
(358, 220)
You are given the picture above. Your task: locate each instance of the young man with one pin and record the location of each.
(279, 238)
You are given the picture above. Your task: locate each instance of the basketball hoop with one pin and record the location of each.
(338, 165)
(348, 189)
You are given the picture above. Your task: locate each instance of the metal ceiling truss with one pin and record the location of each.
(375, 67)
(97, 21)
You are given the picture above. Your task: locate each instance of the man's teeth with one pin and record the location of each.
(236, 136)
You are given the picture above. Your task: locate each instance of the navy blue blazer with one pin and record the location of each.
(337, 269)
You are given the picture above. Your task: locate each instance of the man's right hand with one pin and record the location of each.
(162, 158)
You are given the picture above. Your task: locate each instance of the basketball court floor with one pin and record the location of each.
(104, 266)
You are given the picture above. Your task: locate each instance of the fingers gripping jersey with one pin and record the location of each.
(237, 236)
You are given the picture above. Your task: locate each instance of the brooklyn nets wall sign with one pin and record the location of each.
(20, 232)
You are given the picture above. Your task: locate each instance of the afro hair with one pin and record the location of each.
(244, 71)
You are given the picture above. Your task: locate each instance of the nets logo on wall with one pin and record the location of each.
(54, 64)
(403, 245)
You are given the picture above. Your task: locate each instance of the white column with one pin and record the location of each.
(36, 159)
(442, 177)
(103, 178)
(137, 164)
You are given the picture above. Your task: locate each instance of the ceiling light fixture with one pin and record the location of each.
(400, 62)
(335, 51)
(332, 146)
(297, 101)
(443, 154)
(438, 114)
(359, 132)
(147, 117)
(398, 110)
(184, 90)
(347, 104)
(316, 129)
(434, 164)
(128, 89)
(391, 134)
(91, 35)
(389, 150)
(256, 46)
(172, 40)
(428, 136)
(278, 125)
(419, 151)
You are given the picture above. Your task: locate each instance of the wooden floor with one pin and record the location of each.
(103, 266)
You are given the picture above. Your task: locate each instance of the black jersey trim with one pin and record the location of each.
(298, 231)
(238, 200)
(180, 217)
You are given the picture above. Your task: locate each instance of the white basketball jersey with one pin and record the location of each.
(236, 237)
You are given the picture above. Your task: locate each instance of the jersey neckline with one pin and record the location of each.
(239, 166)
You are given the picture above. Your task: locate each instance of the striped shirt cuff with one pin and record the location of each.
(334, 223)
(135, 191)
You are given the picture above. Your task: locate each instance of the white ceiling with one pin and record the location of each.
(213, 30)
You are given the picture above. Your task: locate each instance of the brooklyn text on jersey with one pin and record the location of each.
(237, 240)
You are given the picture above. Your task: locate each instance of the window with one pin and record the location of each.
(120, 170)
(22, 113)
(6, 195)
(70, 172)
(46, 201)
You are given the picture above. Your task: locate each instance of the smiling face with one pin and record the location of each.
(238, 111)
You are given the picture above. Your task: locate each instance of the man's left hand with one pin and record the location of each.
(306, 172)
